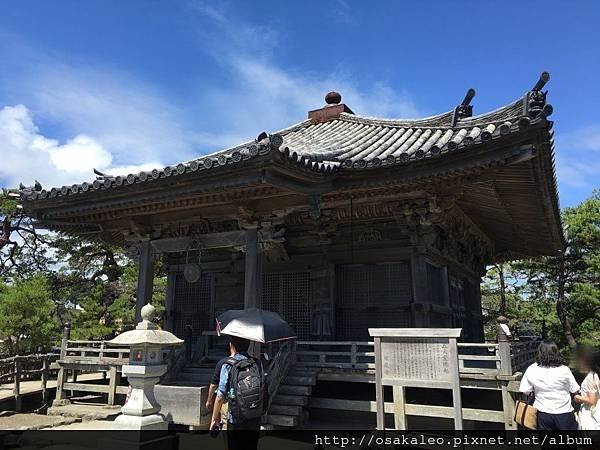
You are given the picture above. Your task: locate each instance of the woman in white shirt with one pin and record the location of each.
(552, 383)
(590, 391)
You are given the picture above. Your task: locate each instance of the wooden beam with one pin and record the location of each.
(479, 415)
(145, 278)
(252, 269)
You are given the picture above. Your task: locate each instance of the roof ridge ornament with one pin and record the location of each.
(465, 109)
(332, 110)
(534, 102)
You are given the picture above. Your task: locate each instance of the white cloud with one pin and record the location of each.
(586, 138)
(27, 154)
(79, 154)
(110, 119)
(122, 113)
(578, 157)
(261, 94)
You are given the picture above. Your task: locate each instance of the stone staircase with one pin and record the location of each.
(288, 408)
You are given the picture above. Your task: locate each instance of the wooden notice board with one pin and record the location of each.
(415, 357)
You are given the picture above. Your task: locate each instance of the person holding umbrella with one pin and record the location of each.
(241, 381)
(246, 407)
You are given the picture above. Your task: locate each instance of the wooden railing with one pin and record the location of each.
(336, 354)
(476, 360)
(96, 352)
(278, 367)
(523, 354)
(87, 356)
(489, 366)
(18, 369)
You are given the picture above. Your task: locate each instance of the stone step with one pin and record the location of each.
(191, 376)
(287, 410)
(298, 400)
(207, 365)
(300, 380)
(301, 370)
(294, 390)
(191, 383)
(282, 420)
(199, 370)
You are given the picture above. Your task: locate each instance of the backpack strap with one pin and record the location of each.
(231, 361)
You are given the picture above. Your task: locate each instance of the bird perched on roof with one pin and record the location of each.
(100, 174)
(37, 186)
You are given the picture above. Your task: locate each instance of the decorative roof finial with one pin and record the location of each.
(536, 98)
(465, 109)
(541, 82)
(331, 111)
(333, 98)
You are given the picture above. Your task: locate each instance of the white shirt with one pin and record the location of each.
(506, 329)
(590, 384)
(552, 387)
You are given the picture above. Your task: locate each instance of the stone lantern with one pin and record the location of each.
(146, 365)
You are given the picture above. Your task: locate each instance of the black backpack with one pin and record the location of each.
(246, 389)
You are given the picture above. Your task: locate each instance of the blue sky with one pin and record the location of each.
(130, 85)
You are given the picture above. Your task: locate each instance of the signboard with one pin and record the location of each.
(415, 357)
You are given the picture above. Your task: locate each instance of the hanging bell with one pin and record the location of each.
(192, 271)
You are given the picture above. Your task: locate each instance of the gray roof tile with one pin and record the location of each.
(347, 142)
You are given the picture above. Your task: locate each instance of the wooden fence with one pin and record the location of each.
(81, 356)
(18, 369)
(490, 366)
(87, 356)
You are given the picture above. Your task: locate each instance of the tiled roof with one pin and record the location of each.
(345, 142)
(353, 142)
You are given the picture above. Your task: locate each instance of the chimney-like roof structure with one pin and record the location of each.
(500, 164)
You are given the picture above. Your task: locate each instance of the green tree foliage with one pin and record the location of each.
(23, 251)
(97, 285)
(27, 316)
(559, 295)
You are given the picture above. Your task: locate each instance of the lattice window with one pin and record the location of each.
(288, 293)
(434, 282)
(192, 305)
(457, 293)
(374, 285)
(371, 295)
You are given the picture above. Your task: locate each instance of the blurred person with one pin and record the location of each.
(589, 361)
(552, 384)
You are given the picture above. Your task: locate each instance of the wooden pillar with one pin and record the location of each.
(145, 278)
(251, 275)
(399, 407)
(17, 385)
(420, 306)
(508, 400)
(379, 398)
(65, 340)
(45, 372)
(113, 383)
(169, 322)
(61, 379)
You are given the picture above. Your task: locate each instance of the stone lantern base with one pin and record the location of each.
(140, 412)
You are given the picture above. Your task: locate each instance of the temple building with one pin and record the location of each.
(339, 223)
